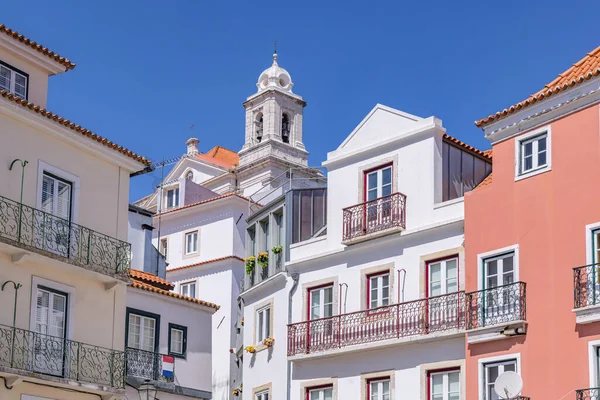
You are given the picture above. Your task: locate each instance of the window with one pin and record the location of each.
(320, 300)
(491, 372)
(309, 213)
(263, 324)
(173, 198)
(442, 277)
(51, 312)
(188, 289)
(378, 290)
(189, 176)
(264, 395)
(142, 331)
(252, 240)
(266, 233)
(320, 393)
(285, 128)
(378, 183)
(258, 126)
(444, 385)
(499, 270)
(378, 389)
(191, 242)
(164, 248)
(56, 196)
(177, 340)
(13, 81)
(461, 171)
(533, 154)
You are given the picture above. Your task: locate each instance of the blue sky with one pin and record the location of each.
(148, 70)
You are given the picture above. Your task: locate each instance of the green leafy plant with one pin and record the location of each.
(277, 249)
(250, 264)
(263, 259)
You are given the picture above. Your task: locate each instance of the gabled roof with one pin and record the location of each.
(78, 129)
(583, 70)
(150, 279)
(144, 286)
(204, 263)
(221, 157)
(36, 46)
(204, 202)
(487, 154)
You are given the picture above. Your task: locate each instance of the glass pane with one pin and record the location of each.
(328, 394)
(328, 310)
(454, 382)
(437, 384)
(371, 194)
(528, 163)
(386, 387)
(268, 322)
(386, 190)
(318, 209)
(372, 180)
(315, 395)
(528, 149)
(306, 217)
(467, 172)
(386, 176)
(374, 391)
(260, 326)
(507, 264)
(435, 272)
(295, 217)
(328, 292)
(192, 290)
(510, 367)
(445, 172)
(492, 374)
(451, 268)
(455, 174)
(492, 267)
(480, 172)
(542, 144)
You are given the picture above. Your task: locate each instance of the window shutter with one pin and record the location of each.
(20, 86)
(41, 313)
(57, 318)
(63, 200)
(48, 194)
(4, 78)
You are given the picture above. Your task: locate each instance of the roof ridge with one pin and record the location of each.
(150, 288)
(205, 262)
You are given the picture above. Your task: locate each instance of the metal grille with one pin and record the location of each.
(55, 237)
(588, 394)
(586, 285)
(497, 305)
(420, 317)
(374, 216)
(49, 355)
(146, 365)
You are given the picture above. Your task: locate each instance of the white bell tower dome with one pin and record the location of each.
(275, 77)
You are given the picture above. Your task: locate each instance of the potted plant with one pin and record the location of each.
(263, 260)
(250, 264)
(269, 342)
(237, 391)
(277, 250)
(250, 349)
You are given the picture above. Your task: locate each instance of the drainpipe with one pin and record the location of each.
(296, 278)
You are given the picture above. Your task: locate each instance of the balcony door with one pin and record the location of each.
(592, 272)
(142, 361)
(55, 233)
(501, 299)
(49, 345)
(320, 302)
(378, 207)
(442, 280)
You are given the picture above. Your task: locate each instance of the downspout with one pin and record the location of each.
(296, 278)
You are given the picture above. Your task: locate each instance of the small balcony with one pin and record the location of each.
(586, 291)
(587, 394)
(496, 312)
(431, 316)
(148, 365)
(261, 273)
(374, 218)
(29, 353)
(35, 230)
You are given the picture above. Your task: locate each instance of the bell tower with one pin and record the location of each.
(274, 120)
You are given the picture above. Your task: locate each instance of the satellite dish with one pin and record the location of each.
(508, 385)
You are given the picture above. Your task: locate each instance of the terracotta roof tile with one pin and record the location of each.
(74, 127)
(488, 153)
(204, 263)
(582, 71)
(485, 182)
(36, 46)
(220, 156)
(468, 147)
(151, 279)
(144, 286)
(204, 202)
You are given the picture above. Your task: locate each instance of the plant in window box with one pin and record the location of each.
(269, 342)
(263, 259)
(250, 264)
(277, 249)
(237, 391)
(250, 349)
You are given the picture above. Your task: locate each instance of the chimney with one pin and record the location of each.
(192, 146)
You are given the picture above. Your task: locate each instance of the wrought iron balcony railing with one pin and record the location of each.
(374, 216)
(498, 305)
(420, 317)
(55, 356)
(55, 237)
(588, 394)
(586, 282)
(261, 273)
(148, 365)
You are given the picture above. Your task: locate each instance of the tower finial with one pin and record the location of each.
(275, 47)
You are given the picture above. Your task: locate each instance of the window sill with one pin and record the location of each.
(448, 202)
(587, 315)
(533, 173)
(181, 356)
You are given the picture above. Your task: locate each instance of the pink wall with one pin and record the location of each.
(546, 216)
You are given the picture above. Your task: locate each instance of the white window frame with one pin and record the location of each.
(263, 395)
(379, 381)
(180, 353)
(490, 254)
(142, 318)
(186, 284)
(75, 188)
(379, 188)
(185, 242)
(167, 190)
(589, 248)
(520, 140)
(13, 81)
(266, 323)
(445, 383)
(593, 363)
(322, 304)
(164, 250)
(29, 397)
(481, 369)
(379, 276)
(443, 275)
(71, 301)
(321, 391)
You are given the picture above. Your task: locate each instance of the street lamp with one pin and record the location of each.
(147, 391)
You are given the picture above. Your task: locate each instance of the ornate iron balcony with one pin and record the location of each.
(586, 282)
(49, 355)
(58, 238)
(147, 365)
(498, 305)
(588, 394)
(420, 317)
(374, 216)
(261, 273)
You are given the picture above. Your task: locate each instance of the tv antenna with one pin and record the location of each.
(508, 385)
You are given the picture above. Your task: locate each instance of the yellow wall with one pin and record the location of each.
(38, 78)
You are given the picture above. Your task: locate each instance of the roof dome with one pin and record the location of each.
(275, 77)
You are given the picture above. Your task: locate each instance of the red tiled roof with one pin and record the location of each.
(485, 182)
(151, 279)
(36, 46)
(144, 286)
(583, 70)
(204, 202)
(204, 263)
(71, 125)
(221, 157)
(488, 153)
(468, 147)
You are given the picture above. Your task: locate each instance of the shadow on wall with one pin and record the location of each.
(397, 358)
(587, 330)
(503, 345)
